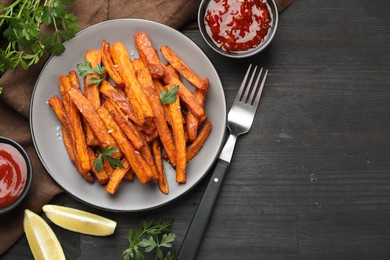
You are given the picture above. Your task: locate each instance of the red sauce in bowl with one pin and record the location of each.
(237, 25)
(13, 174)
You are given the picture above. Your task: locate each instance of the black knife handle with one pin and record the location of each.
(198, 224)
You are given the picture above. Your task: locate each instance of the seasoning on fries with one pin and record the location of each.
(131, 114)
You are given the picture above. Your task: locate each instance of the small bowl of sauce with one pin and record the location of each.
(238, 28)
(15, 174)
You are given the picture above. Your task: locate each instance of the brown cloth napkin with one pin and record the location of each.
(15, 101)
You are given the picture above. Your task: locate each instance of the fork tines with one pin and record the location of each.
(251, 88)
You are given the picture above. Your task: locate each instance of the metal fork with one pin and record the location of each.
(240, 119)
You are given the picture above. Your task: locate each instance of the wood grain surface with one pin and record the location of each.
(312, 178)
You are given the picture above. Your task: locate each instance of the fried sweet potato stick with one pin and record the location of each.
(127, 127)
(119, 99)
(149, 55)
(147, 154)
(110, 66)
(184, 69)
(158, 85)
(162, 178)
(59, 109)
(121, 58)
(136, 160)
(77, 132)
(172, 78)
(179, 138)
(116, 177)
(101, 176)
(194, 148)
(146, 81)
(129, 175)
(192, 122)
(96, 123)
(91, 91)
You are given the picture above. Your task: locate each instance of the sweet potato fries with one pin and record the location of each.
(130, 114)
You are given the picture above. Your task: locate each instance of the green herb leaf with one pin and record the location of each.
(86, 68)
(106, 153)
(168, 97)
(167, 240)
(24, 42)
(148, 237)
(94, 81)
(149, 244)
(98, 163)
(99, 69)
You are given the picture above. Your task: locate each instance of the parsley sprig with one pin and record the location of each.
(151, 235)
(106, 153)
(168, 97)
(86, 69)
(26, 43)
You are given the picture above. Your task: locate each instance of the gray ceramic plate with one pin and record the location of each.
(131, 196)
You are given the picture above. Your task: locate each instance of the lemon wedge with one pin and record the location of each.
(79, 221)
(41, 238)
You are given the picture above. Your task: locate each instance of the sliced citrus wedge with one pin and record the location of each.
(41, 238)
(79, 221)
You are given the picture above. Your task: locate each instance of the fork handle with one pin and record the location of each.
(198, 224)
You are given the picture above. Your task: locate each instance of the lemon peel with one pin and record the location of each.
(79, 221)
(43, 242)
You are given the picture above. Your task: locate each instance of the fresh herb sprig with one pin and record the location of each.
(106, 153)
(26, 43)
(151, 235)
(168, 97)
(86, 69)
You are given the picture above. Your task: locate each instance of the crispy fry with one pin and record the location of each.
(163, 130)
(194, 148)
(129, 175)
(149, 55)
(81, 155)
(172, 78)
(102, 176)
(147, 154)
(119, 99)
(136, 160)
(184, 70)
(96, 123)
(159, 88)
(152, 136)
(180, 142)
(91, 91)
(116, 177)
(121, 58)
(107, 167)
(162, 178)
(59, 110)
(110, 66)
(127, 127)
(192, 122)
(64, 83)
(74, 80)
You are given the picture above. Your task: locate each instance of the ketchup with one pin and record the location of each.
(13, 174)
(237, 25)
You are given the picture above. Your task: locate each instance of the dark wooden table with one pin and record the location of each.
(312, 178)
